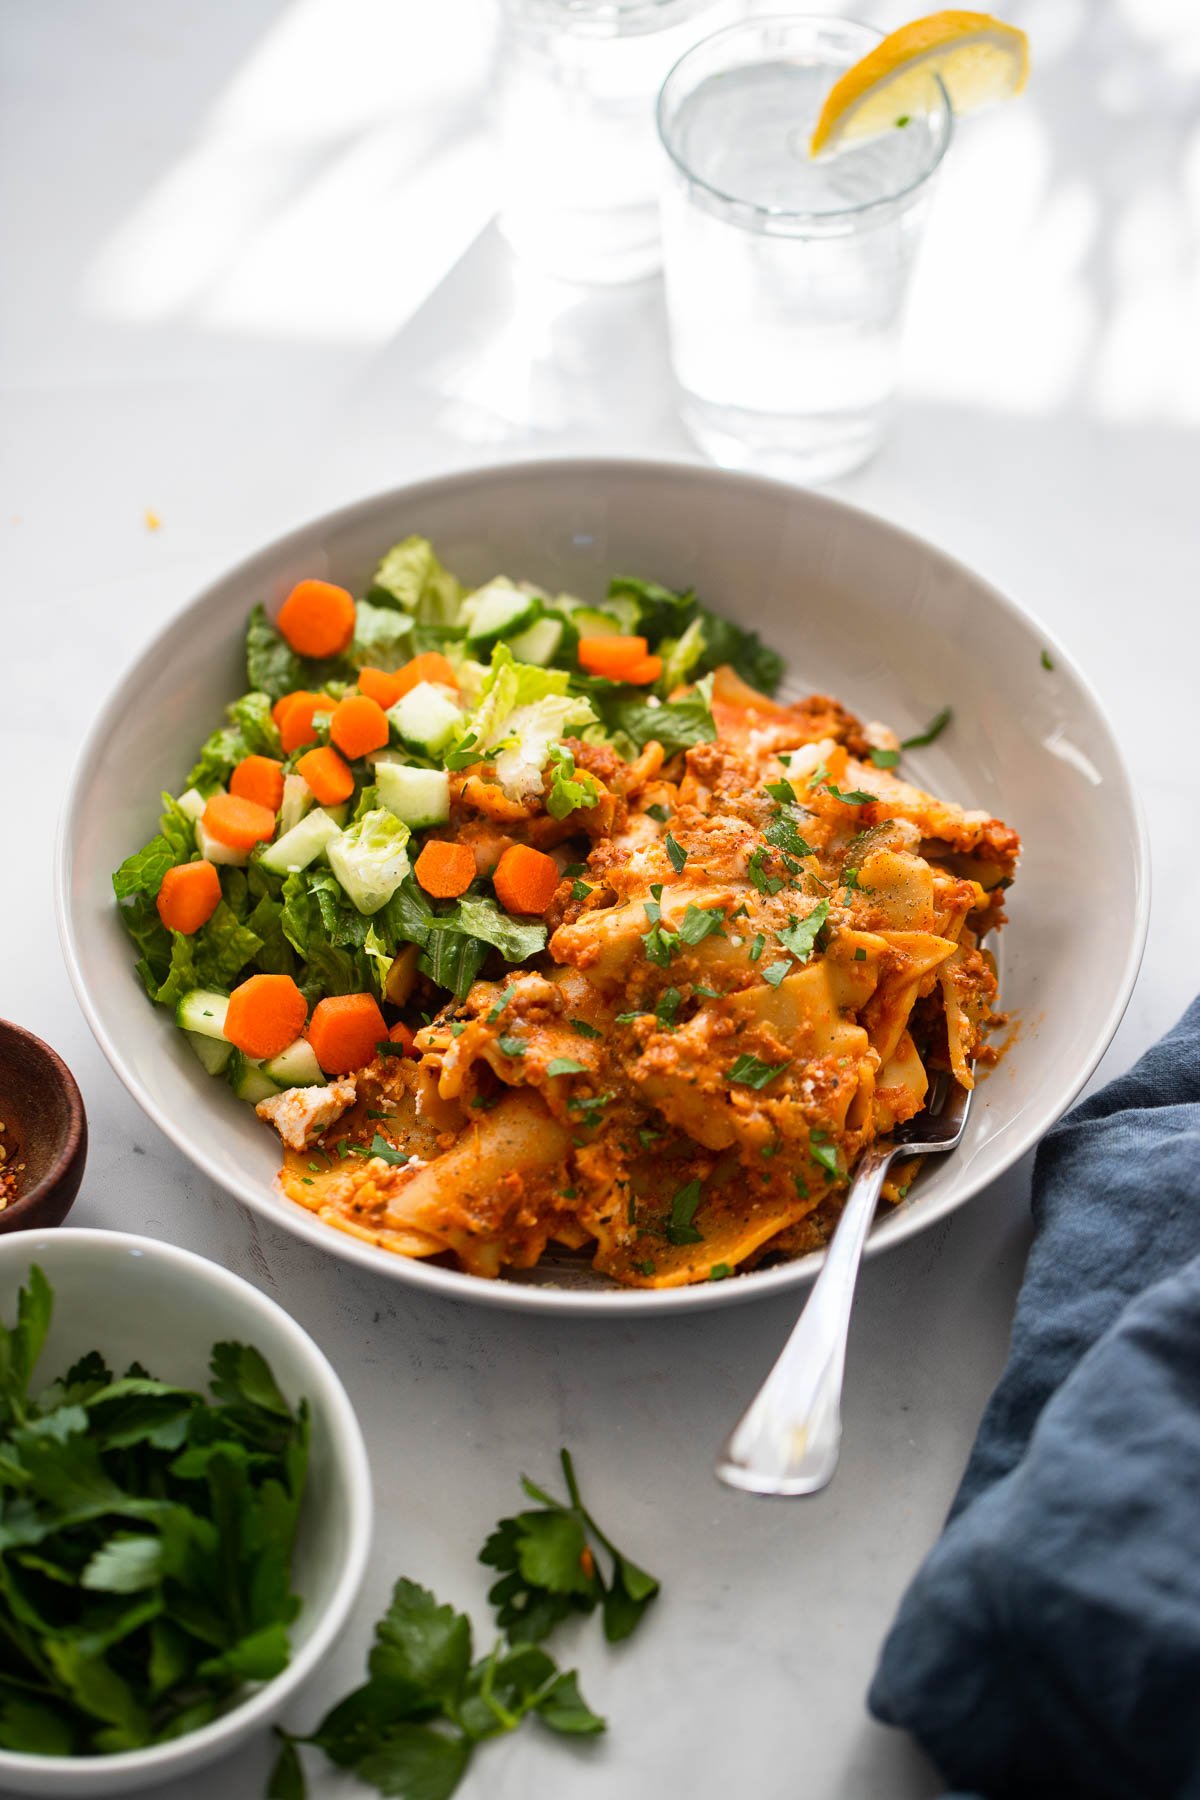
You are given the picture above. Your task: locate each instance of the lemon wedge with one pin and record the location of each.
(980, 59)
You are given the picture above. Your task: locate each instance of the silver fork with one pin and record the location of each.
(788, 1440)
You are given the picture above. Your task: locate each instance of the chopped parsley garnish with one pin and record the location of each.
(855, 796)
(646, 1136)
(783, 791)
(719, 1272)
(933, 730)
(584, 1029)
(379, 1115)
(676, 852)
(819, 774)
(660, 945)
(658, 813)
(751, 1071)
(860, 954)
(699, 922)
(565, 1065)
(775, 972)
(801, 1186)
(740, 912)
(627, 1018)
(668, 1006)
(766, 884)
(800, 935)
(485, 1102)
(706, 993)
(590, 1108)
(568, 791)
(508, 994)
(680, 1229)
(1047, 660)
(782, 833)
(387, 1048)
(823, 1151)
(653, 908)
(850, 880)
(386, 1152)
(457, 1027)
(512, 1046)
(646, 1268)
(884, 759)
(580, 890)
(570, 1194)
(573, 869)
(757, 947)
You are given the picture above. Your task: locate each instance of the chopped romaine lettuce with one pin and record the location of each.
(410, 576)
(522, 711)
(370, 859)
(382, 637)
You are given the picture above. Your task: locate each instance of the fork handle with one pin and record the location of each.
(788, 1440)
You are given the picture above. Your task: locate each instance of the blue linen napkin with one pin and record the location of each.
(1050, 1644)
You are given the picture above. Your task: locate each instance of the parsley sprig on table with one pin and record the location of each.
(413, 1726)
(551, 1567)
(145, 1542)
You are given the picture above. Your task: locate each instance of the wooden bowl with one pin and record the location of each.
(45, 1127)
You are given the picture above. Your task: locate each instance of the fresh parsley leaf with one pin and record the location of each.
(584, 1029)
(512, 1046)
(1047, 660)
(783, 791)
(502, 1001)
(387, 1152)
(757, 947)
(860, 954)
(719, 1272)
(659, 814)
(783, 835)
(660, 945)
(580, 890)
(766, 884)
(699, 922)
(680, 1229)
(884, 759)
(750, 1071)
(800, 935)
(855, 797)
(667, 1007)
(775, 972)
(676, 852)
(824, 1151)
(565, 1065)
(933, 730)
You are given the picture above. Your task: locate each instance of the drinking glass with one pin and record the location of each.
(786, 276)
(579, 162)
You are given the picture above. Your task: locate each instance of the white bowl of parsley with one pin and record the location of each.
(185, 1511)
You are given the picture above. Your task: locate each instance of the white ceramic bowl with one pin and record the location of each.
(135, 1299)
(860, 609)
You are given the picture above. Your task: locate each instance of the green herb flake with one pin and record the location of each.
(860, 954)
(720, 1272)
(649, 1267)
(1047, 660)
(680, 1229)
(775, 972)
(932, 731)
(757, 947)
(676, 852)
(699, 922)
(766, 884)
(855, 797)
(783, 791)
(668, 1006)
(824, 1151)
(800, 935)
(580, 890)
(884, 759)
(659, 814)
(584, 1029)
(751, 1071)
(660, 945)
(512, 1046)
(508, 994)
(385, 1151)
(565, 1065)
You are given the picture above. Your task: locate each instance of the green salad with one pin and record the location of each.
(315, 869)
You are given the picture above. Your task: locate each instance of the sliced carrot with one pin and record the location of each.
(380, 685)
(266, 1014)
(189, 896)
(644, 671)
(327, 775)
(358, 725)
(344, 1031)
(445, 870)
(237, 822)
(317, 618)
(611, 655)
(525, 879)
(296, 727)
(400, 1034)
(259, 778)
(431, 665)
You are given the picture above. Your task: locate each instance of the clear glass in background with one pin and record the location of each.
(786, 278)
(580, 162)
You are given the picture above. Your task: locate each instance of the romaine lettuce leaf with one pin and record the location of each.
(410, 576)
(272, 667)
(677, 724)
(523, 710)
(251, 732)
(370, 858)
(382, 637)
(251, 717)
(222, 948)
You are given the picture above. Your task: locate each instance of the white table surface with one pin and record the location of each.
(250, 273)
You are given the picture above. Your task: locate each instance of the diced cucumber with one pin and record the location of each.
(298, 798)
(539, 643)
(339, 813)
(214, 851)
(203, 1010)
(297, 1066)
(426, 718)
(419, 797)
(248, 1081)
(496, 611)
(214, 1053)
(301, 845)
(594, 621)
(192, 802)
